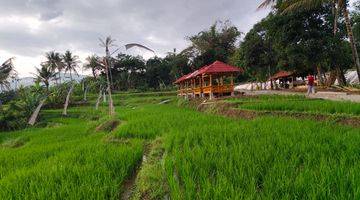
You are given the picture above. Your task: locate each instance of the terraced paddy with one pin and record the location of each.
(173, 151)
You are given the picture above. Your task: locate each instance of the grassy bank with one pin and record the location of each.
(297, 104)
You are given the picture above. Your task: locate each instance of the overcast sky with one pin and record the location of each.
(29, 28)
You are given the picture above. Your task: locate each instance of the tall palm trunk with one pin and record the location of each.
(110, 73)
(332, 78)
(319, 75)
(59, 78)
(107, 69)
(36, 112)
(336, 16)
(352, 41)
(93, 72)
(337, 73)
(111, 105)
(98, 99)
(68, 99)
(85, 93)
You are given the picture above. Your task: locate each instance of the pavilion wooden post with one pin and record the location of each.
(192, 88)
(219, 85)
(211, 91)
(185, 89)
(202, 86)
(232, 84)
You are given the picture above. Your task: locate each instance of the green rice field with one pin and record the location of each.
(189, 154)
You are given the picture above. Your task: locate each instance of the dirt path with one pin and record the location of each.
(129, 185)
(334, 96)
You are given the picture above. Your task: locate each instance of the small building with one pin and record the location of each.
(216, 80)
(285, 78)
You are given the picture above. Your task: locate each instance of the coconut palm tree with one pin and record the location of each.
(5, 71)
(107, 43)
(93, 64)
(45, 74)
(55, 62)
(71, 62)
(292, 5)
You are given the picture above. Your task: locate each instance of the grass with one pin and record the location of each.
(191, 155)
(297, 104)
(212, 157)
(65, 161)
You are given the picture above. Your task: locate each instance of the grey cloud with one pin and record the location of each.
(77, 24)
(50, 15)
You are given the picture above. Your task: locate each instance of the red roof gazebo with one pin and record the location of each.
(215, 79)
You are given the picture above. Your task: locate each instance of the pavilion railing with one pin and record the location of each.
(218, 89)
(227, 88)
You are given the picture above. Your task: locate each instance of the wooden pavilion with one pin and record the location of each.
(216, 79)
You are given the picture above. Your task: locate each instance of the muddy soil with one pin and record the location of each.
(128, 186)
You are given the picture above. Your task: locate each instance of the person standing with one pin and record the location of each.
(310, 84)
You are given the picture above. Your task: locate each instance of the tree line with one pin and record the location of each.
(305, 36)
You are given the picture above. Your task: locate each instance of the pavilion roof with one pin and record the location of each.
(281, 74)
(215, 68)
(219, 67)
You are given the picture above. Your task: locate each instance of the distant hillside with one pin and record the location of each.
(27, 81)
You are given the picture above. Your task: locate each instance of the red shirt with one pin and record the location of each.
(310, 80)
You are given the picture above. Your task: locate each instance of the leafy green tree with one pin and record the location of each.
(157, 73)
(355, 16)
(289, 6)
(128, 71)
(179, 65)
(256, 53)
(217, 43)
(299, 41)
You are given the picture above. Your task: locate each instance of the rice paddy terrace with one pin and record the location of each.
(185, 150)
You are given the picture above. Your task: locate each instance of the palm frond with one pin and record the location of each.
(293, 5)
(266, 4)
(5, 71)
